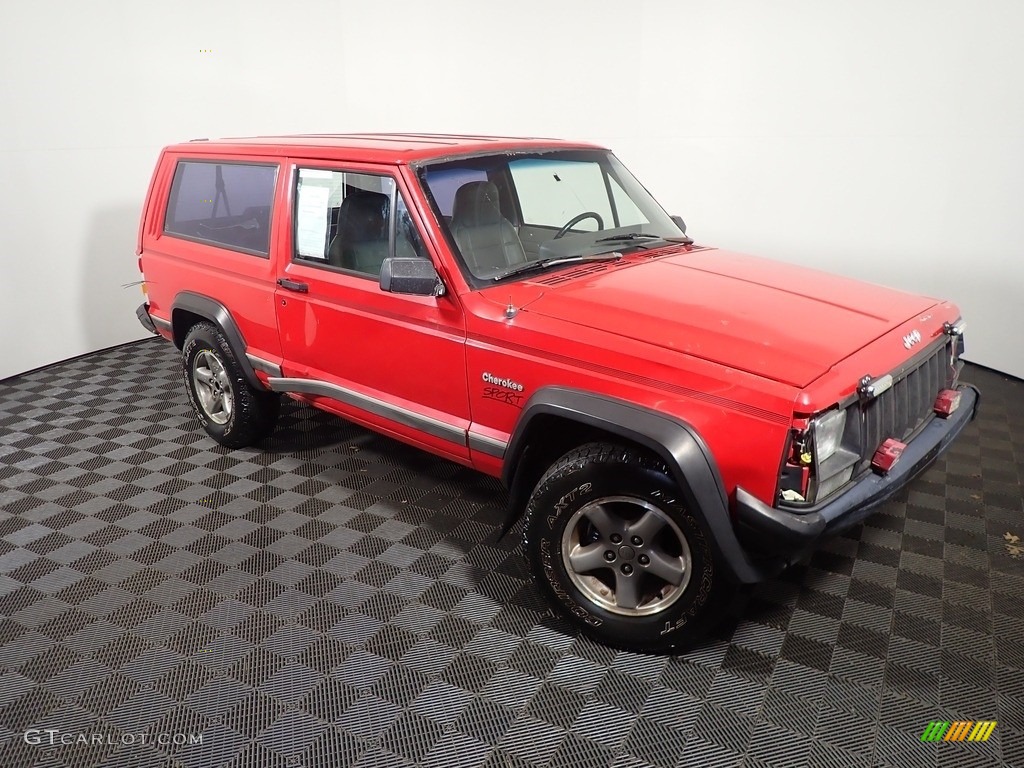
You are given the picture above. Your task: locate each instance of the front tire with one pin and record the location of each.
(617, 551)
(231, 410)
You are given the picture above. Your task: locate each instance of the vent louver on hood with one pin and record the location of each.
(571, 274)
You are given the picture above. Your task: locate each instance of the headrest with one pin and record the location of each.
(364, 215)
(476, 203)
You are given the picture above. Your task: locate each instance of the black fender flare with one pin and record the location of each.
(219, 315)
(673, 440)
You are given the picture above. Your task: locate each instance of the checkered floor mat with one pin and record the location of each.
(334, 598)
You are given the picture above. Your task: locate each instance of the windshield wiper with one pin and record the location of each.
(628, 236)
(642, 236)
(555, 261)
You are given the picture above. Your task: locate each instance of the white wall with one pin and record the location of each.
(881, 140)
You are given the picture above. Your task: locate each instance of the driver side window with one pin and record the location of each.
(345, 221)
(551, 192)
(342, 219)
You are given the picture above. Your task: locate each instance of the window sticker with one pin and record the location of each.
(316, 173)
(311, 220)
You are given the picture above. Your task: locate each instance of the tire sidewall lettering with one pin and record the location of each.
(547, 566)
(566, 499)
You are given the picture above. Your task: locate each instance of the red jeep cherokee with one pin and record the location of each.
(669, 418)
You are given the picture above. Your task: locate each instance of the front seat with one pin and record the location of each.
(487, 240)
(362, 240)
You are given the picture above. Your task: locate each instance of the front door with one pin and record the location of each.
(393, 362)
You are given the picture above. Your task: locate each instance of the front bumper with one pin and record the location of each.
(788, 535)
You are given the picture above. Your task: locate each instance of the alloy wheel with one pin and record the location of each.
(213, 387)
(626, 555)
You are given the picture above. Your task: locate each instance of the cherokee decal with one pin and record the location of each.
(507, 391)
(515, 386)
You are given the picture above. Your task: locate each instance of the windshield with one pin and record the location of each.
(510, 215)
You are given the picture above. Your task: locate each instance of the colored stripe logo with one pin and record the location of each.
(959, 730)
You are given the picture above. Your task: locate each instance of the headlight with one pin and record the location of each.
(818, 462)
(828, 433)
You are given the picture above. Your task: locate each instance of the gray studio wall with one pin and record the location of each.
(880, 140)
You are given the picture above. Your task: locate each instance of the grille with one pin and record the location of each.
(902, 410)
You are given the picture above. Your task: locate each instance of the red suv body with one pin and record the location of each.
(669, 417)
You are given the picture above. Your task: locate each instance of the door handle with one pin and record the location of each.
(293, 285)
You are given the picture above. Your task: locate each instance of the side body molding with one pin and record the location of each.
(218, 314)
(677, 443)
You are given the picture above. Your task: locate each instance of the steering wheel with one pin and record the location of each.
(577, 219)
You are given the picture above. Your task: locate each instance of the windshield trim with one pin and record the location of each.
(418, 165)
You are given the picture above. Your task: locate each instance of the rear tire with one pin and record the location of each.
(231, 410)
(618, 552)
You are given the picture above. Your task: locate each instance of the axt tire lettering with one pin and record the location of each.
(566, 500)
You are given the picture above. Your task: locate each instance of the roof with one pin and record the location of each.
(396, 148)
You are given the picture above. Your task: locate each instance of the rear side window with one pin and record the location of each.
(227, 204)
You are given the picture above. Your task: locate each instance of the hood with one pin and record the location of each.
(780, 321)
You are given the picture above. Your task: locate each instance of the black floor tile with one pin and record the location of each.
(335, 598)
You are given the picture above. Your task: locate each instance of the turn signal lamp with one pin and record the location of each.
(947, 402)
(887, 455)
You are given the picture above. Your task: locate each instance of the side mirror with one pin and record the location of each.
(412, 275)
(678, 220)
